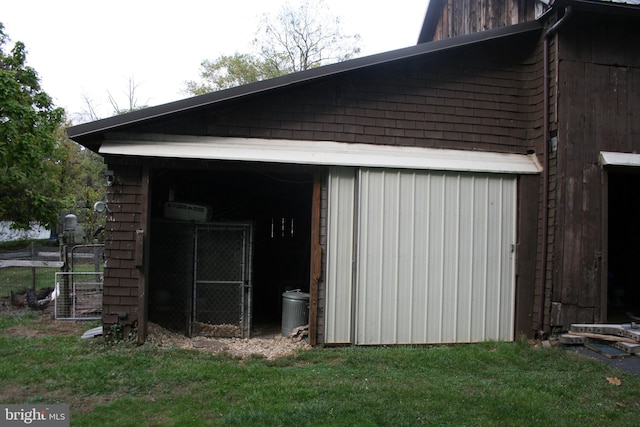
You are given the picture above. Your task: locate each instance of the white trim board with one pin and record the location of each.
(610, 158)
(326, 153)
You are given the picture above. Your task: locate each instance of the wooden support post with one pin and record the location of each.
(316, 261)
(142, 256)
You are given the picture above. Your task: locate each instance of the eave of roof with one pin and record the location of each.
(87, 130)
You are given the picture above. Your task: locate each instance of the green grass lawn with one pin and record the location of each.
(489, 384)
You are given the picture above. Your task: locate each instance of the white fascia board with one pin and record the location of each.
(610, 158)
(326, 153)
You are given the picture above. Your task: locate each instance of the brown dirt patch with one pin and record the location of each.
(46, 327)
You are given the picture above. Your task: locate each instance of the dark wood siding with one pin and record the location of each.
(459, 17)
(123, 275)
(598, 99)
(480, 98)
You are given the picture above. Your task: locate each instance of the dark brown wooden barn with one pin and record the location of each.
(478, 185)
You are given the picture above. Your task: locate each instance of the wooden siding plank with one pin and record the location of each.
(571, 147)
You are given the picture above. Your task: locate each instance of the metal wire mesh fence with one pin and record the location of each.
(200, 278)
(78, 295)
(79, 290)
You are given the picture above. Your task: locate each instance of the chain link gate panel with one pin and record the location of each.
(79, 291)
(78, 295)
(201, 278)
(222, 291)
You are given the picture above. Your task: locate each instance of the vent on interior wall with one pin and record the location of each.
(186, 211)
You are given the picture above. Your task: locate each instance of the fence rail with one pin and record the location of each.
(24, 263)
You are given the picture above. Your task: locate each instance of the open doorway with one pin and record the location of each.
(275, 200)
(623, 275)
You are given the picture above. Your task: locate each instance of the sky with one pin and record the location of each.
(87, 49)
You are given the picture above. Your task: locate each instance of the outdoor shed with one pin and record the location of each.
(424, 195)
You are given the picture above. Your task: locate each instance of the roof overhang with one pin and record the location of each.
(327, 153)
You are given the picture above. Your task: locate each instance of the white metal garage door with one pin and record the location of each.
(434, 257)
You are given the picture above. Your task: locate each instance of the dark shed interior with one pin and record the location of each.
(276, 201)
(624, 246)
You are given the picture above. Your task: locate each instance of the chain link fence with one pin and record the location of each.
(200, 280)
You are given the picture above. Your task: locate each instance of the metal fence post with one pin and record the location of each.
(33, 269)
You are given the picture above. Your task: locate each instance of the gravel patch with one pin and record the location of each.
(269, 346)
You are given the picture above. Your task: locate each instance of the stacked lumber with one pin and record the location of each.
(610, 340)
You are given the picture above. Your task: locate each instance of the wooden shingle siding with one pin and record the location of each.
(121, 278)
(465, 101)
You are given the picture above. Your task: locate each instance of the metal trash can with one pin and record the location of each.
(295, 310)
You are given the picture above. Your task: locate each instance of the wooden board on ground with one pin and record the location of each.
(604, 337)
(601, 329)
(607, 350)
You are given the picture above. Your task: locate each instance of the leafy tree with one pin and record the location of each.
(297, 39)
(229, 71)
(29, 171)
(82, 176)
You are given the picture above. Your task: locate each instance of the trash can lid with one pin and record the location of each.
(295, 294)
